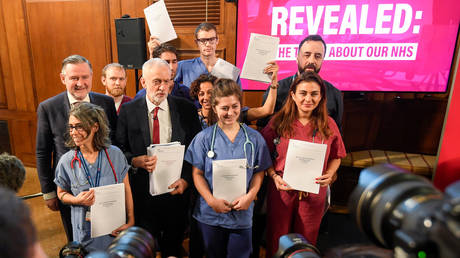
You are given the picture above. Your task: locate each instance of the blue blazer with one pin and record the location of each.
(52, 120)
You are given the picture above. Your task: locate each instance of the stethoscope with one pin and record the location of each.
(81, 160)
(211, 154)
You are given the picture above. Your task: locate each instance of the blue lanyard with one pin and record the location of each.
(85, 168)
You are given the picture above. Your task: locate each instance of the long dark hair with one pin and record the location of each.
(282, 121)
(90, 114)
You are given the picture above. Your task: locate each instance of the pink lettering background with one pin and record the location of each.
(417, 60)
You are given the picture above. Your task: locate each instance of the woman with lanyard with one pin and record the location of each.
(226, 225)
(92, 162)
(303, 117)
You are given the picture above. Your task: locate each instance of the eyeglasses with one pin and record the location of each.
(158, 82)
(77, 127)
(203, 41)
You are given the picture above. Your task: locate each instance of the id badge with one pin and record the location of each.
(88, 215)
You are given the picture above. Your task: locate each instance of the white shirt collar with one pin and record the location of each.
(163, 105)
(72, 100)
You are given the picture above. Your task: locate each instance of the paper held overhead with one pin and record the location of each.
(261, 50)
(224, 69)
(159, 23)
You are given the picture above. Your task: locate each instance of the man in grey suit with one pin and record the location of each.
(52, 127)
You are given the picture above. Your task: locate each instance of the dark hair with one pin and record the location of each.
(12, 172)
(112, 65)
(17, 231)
(165, 47)
(282, 121)
(195, 86)
(313, 38)
(89, 115)
(206, 26)
(225, 88)
(75, 59)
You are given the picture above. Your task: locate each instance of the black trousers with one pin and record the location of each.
(165, 217)
(66, 220)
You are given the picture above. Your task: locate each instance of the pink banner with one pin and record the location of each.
(371, 46)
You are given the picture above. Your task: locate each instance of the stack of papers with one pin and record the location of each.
(170, 157)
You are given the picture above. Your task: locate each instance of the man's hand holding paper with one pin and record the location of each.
(166, 176)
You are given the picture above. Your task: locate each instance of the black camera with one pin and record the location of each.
(404, 212)
(132, 242)
(295, 246)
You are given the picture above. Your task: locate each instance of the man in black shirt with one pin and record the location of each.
(311, 54)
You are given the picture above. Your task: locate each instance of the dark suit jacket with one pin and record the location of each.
(52, 120)
(133, 135)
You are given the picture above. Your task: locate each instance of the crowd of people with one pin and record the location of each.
(86, 139)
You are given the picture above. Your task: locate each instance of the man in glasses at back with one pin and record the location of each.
(207, 40)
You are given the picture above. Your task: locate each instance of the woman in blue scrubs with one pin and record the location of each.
(91, 162)
(226, 226)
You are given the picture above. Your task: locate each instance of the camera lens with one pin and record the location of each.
(133, 242)
(383, 198)
(296, 246)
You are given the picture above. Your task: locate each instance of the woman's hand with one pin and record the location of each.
(326, 179)
(117, 231)
(242, 203)
(85, 198)
(280, 184)
(272, 69)
(220, 205)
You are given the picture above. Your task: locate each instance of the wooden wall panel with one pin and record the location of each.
(62, 28)
(16, 65)
(23, 140)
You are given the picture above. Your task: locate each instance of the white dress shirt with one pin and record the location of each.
(72, 100)
(164, 119)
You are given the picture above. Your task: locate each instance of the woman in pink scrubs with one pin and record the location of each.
(303, 117)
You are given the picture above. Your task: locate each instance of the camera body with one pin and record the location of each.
(403, 211)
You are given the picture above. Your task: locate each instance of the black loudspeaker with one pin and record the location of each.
(131, 42)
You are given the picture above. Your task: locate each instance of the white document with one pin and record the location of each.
(108, 211)
(261, 50)
(159, 23)
(304, 163)
(224, 69)
(170, 157)
(229, 179)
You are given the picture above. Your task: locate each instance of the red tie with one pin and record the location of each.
(156, 127)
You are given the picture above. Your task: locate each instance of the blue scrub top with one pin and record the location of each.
(196, 155)
(190, 69)
(74, 181)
